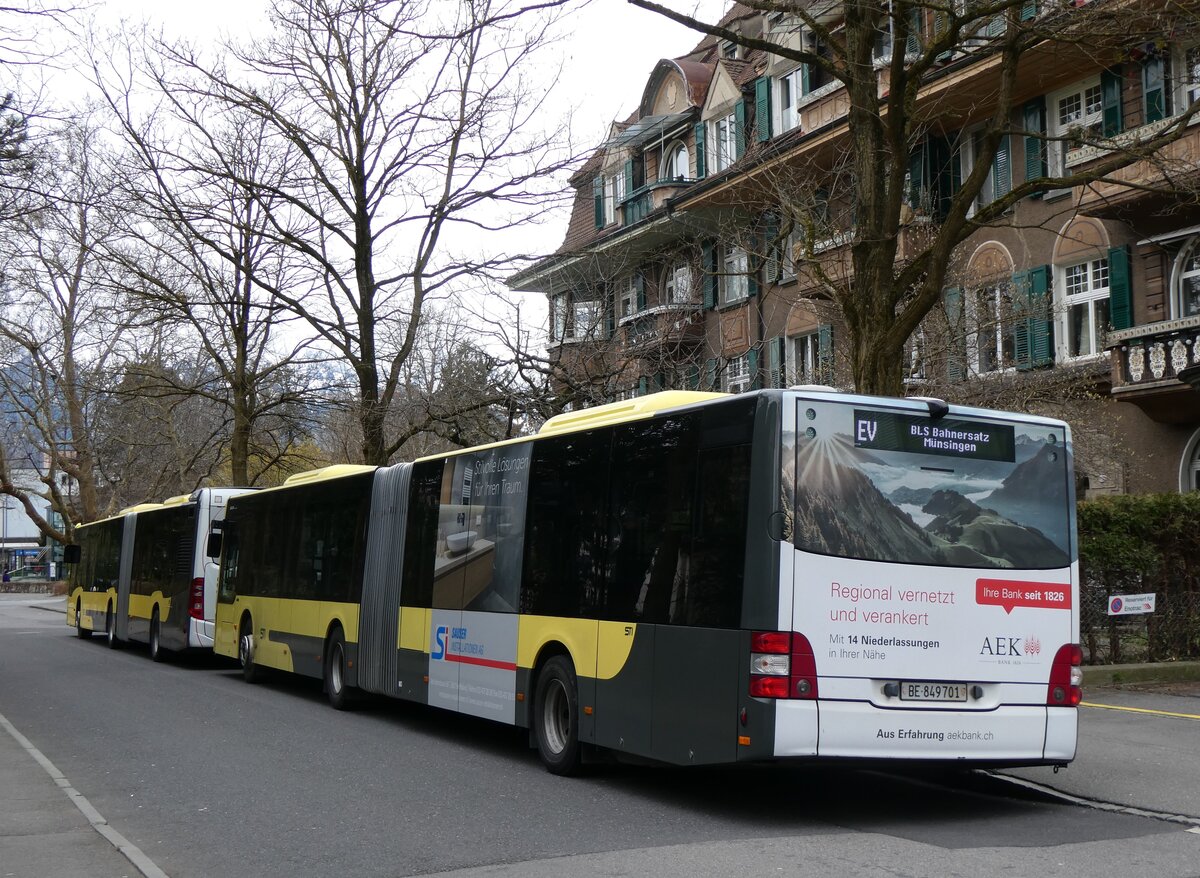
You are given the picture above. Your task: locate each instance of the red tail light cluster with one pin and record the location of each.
(196, 599)
(1066, 675)
(782, 665)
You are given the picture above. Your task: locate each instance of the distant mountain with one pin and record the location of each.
(1035, 494)
(982, 530)
(907, 496)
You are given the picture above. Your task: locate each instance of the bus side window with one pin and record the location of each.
(421, 539)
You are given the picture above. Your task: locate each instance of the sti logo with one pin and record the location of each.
(441, 640)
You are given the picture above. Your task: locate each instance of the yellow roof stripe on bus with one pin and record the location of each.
(336, 471)
(626, 410)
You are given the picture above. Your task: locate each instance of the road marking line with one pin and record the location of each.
(1099, 804)
(124, 846)
(1140, 710)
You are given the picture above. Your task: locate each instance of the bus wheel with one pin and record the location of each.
(156, 650)
(335, 671)
(556, 717)
(251, 672)
(80, 632)
(110, 629)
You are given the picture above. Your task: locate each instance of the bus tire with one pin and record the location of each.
(251, 672)
(340, 697)
(156, 651)
(556, 717)
(110, 629)
(81, 632)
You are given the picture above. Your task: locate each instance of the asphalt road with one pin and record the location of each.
(210, 776)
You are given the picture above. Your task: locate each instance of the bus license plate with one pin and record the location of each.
(931, 691)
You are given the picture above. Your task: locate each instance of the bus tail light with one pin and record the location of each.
(1066, 676)
(196, 599)
(782, 665)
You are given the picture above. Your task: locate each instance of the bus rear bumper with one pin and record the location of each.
(200, 634)
(1026, 734)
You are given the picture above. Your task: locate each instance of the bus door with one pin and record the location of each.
(125, 577)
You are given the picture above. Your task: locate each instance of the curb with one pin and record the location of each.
(1151, 672)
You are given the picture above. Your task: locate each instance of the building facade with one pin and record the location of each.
(707, 230)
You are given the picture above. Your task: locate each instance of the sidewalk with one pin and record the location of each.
(42, 832)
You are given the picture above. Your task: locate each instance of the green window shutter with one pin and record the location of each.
(598, 197)
(753, 267)
(1120, 294)
(700, 134)
(610, 318)
(916, 177)
(710, 374)
(956, 357)
(1029, 10)
(941, 160)
(1153, 89)
(825, 353)
(660, 382)
(708, 259)
(804, 80)
(1110, 89)
(639, 283)
(912, 46)
(1002, 169)
(772, 265)
(752, 361)
(996, 26)
(693, 377)
(1034, 113)
(1033, 329)
(739, 128)
(629, 187)
(762, 108)
(643, 386)
(775, 363)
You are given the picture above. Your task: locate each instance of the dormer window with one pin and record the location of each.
(729, 49)
(676, 163)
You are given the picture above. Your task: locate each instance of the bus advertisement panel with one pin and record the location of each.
(935, 577)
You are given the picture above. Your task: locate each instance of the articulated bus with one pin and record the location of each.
(693, 578)
(143, 574)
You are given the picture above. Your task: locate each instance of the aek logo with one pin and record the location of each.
(1032, 646)
(1001, 646)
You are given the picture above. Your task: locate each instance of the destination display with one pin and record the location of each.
(947, 437)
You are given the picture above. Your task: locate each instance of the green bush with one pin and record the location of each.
(1141, 543)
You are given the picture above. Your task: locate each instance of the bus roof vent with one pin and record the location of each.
(177, 500)
(141, 507)
(626, 410)
(814, 388)
(937, 407)
(329, 472)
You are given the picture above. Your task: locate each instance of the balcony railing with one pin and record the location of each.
(662, 326)
(1153, 355)
(644, 200)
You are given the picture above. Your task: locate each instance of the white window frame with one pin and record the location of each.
(786, 94)
(1180, 272)
(1185, 77)
(586, 315)
(1096, 290)
(723, 142)
(627, 302)
(558, 317)
(735, 275)
(678, 284)
(609, 189)
(990, 343)
(1060, 154)
(673, 168)
(1189, 465)
(803, 358)
(736, 378)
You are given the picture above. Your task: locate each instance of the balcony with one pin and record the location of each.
(1142, 185)
(1147, 362)
(644, 200)
(661, 328)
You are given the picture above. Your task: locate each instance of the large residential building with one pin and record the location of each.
(707, 229)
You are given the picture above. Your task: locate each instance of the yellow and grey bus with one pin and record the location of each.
(692, 578)
(143, 574)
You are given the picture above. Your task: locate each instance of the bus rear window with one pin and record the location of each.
(894, 486)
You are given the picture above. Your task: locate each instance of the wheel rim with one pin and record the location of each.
(245, 648)
(335, 669)
(78, 618)
(108, 626)
(556, 717)
(154, 638)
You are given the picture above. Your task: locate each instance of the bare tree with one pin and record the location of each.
(889, 157)
(58, 322)
(413, 129)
